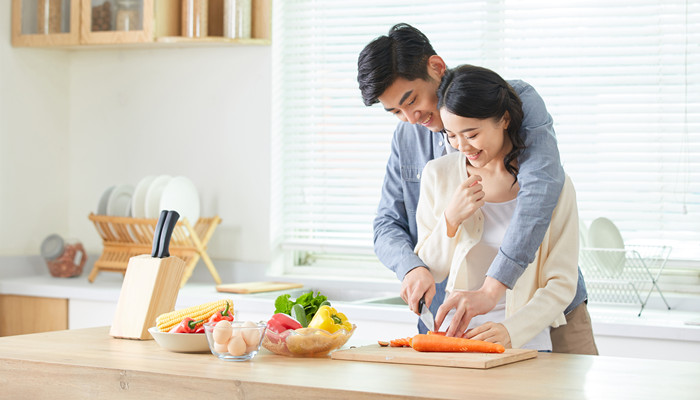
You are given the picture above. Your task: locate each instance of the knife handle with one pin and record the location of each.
(166, 233)
(156, 233)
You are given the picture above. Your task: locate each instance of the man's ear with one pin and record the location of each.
(436, 67)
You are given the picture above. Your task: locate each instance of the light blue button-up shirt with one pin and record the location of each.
(540, 176)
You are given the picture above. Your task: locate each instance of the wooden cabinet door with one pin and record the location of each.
(45, 23)
(26, 314)
(101, 22)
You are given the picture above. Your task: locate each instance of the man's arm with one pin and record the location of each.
(392, 239)
(541, 178)
(393, 243)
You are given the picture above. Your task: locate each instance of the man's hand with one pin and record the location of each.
(416, 283)
(468, 304)
(490, 332)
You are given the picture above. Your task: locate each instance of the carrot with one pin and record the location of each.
(453, 344)
(402, 342)
(437, 333)
(382, 343)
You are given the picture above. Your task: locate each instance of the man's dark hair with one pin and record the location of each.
(403, 53)
(477, 92)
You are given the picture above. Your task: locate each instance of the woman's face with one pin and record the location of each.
(481, 140)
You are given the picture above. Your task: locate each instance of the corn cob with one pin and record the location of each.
(166, 321)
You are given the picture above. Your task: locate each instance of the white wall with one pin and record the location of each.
(34, 144)
(76, 122)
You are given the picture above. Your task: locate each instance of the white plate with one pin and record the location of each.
(155, 189)
(138, 201)
(119, 203)
(603, 234)
(181, 195)
(181, 342)
(102, 205)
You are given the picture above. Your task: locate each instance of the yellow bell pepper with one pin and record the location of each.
(328, 319)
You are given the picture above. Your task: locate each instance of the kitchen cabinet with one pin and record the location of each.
(90, 24)
(28, 314)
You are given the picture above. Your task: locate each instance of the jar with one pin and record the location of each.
(195, 20)
(65, 258)
(237, 19)
(49, 16)
(128, 16)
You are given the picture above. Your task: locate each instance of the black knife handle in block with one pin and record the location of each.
(166, 233)
(156, 233)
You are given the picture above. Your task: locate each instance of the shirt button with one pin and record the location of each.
(418, 176)
(440, 143)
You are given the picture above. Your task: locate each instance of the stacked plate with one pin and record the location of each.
(151, 195)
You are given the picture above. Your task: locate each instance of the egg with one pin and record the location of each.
(236, 346)
(220, 348)
(222, 332)
(251, 333)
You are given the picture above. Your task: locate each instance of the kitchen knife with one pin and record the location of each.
(156, 233)
(425, 315)
(166, 233)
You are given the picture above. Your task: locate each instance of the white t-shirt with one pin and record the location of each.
(496, 220)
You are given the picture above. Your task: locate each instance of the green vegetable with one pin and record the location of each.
(299, 314)
(309, 301)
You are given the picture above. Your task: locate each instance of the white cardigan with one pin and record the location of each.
(547, 286)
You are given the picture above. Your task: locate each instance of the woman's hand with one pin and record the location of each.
(490, 332)
(468, 304)
(467, 198)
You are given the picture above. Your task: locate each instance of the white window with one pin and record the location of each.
(620, 78)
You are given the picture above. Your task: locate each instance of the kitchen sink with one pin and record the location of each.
(342, 295)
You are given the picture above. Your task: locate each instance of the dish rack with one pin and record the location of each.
(125, 237)
(623, 275)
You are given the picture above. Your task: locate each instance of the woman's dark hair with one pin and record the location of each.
(404, 53)
(476, 92)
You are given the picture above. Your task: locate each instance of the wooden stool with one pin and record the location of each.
(125, 237)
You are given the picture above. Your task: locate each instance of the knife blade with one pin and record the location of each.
(426, 316)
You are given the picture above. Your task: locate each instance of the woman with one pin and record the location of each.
(466, 203)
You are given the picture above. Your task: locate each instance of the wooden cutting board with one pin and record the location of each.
(256, 287)
(406, 355)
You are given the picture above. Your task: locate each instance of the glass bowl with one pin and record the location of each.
(240, 342)
(305, 342)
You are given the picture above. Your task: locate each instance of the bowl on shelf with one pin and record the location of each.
(235, 340)
(180, 342)
(306, 342)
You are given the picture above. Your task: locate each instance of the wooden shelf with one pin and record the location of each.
(161, 28)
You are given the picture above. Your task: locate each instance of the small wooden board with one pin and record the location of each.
(406, 355)
(256, 287)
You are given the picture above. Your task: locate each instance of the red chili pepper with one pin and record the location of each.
(224, 314)
(188, 325)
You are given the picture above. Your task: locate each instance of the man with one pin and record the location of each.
(402, 72)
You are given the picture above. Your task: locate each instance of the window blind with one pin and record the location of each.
(621, 80)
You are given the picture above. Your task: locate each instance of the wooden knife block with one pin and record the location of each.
(149, 289)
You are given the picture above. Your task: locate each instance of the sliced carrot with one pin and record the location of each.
(402, 342)
(383, 343)
(453, 344)
(437, 333)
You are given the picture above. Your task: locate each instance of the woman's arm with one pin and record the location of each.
(552, 285)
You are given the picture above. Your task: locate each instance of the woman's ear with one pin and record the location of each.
(506, 120)
(436, 67)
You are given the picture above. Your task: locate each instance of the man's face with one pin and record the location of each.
(414, 101)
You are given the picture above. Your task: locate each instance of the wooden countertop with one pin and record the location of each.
(88, 364)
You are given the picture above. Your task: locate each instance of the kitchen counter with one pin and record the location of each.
(663, 334)
(88, 364)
